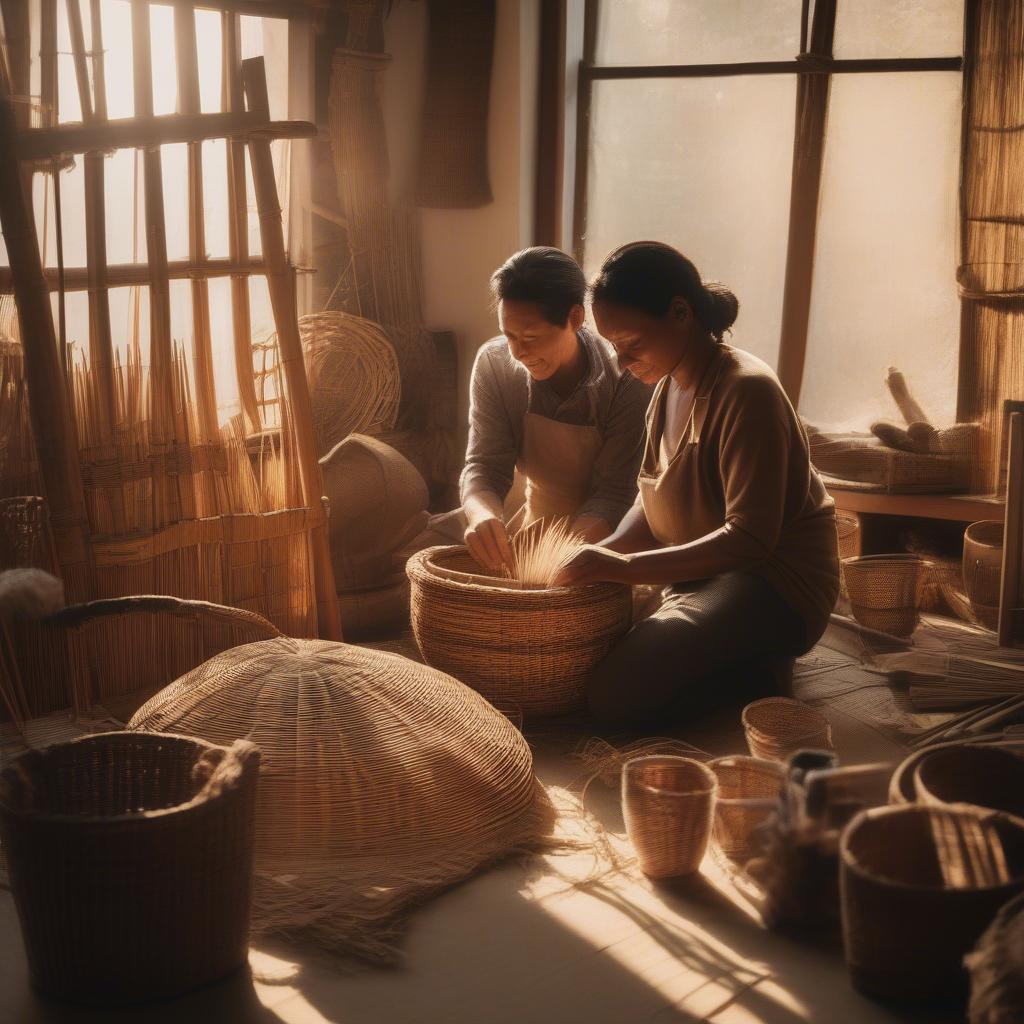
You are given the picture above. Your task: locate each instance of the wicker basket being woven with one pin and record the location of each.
(748, 790)
(531, 647)
(130, 856)
(668, 803)
(779, 726)
(885, 591)
(906, 929)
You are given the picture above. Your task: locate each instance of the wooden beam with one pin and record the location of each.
(281, 285)
(810, 64)
(584, 98)
(548, 169)
(146, 131)
(808, 154)
(956, 508)
(1013, 536)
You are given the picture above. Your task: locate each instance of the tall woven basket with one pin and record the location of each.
(530, 647)
(130, 857)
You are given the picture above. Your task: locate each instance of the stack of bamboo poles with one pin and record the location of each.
(147, 493)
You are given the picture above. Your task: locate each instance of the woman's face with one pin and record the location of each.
(649, 347)
(542, 347)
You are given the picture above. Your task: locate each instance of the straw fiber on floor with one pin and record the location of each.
(530, 647)
(383, 782)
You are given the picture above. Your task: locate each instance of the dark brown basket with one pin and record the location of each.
(905, 930)
(130, 858)
(972, 774)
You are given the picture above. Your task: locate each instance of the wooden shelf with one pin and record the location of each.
(961, 508)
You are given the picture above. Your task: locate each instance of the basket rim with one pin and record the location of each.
(91, 820)
(986, 525)
(787, 702)
(419, 569)
(708, 774)
(851, 864)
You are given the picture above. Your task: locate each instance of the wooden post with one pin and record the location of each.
(233, 100)
(1013, 536)
(808, 153)
(52, 423)
(281, 284)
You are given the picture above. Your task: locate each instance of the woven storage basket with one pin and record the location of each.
(983, 569)
(668, 803)
(902, 789)
(885, 591)
(776, 727)
(904, 929)
(997, 969)
(848, 532)
(748, 790)
(973, 774)
(352, 369)
(530, 647)
(383, 781)
(130, 858)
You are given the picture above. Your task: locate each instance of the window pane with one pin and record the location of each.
(697, 31)
(703, 164)
(884, 279)
(899, 28)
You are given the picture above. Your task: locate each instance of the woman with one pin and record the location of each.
(730, 514)
(547, 398)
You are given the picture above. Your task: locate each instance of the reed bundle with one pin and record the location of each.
(541, 550)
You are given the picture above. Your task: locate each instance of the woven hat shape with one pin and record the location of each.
(353, 374)
(382, 780)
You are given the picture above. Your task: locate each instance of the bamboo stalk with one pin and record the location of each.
(52, 424)
(124, 275)
(1013, 542)
(281, 284)
(232, 100)
(155, 130)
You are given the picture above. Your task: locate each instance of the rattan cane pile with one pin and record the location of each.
(530, 647)
(383, 781)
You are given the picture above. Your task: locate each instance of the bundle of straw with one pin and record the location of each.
(541, 550)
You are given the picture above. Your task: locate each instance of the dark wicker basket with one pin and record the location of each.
(130, 859)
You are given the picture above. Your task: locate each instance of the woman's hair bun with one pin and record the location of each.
(721, 310)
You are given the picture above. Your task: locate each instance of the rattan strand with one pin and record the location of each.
(905, 930)
(531, 647)
(383, 781)
(130, 858)
(668, 804)
(776, 727)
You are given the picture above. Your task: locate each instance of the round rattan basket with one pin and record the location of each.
(383, 781)
(668, 803)
(531, 647)
(748, 790)
(776, 727)
(982, 570)
(902, 789)
(130, 856)
(353, 374)
(976, 774)
(885, 591)
(905, 929)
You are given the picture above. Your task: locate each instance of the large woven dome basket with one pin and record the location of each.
(353, 374)
(382, 780)
(532, 648)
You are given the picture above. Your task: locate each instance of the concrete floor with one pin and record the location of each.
(518, 944)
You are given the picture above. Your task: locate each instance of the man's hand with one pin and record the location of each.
(593, 565)
(488, 543)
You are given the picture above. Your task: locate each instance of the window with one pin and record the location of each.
(692, 111)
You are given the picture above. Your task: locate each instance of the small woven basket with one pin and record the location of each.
(905, 929)
(668, 804)
(748, 790)
(983, 569)
(130, 857)
(778, 726)
(530, 647)
(976, 774)
(885, 591)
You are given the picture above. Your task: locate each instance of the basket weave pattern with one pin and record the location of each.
(885, 591)
(130, 858)
(778, 726)
(747, 786)
(668, 803)
(533, 648)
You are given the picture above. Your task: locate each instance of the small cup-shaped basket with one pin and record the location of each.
(972, 774)
(905, 927)
(982, 570)
(668, 803)
(779, 726)
(885, 591)
(748, 790)
(130, 857)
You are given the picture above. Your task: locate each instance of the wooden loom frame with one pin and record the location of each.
(243, 128)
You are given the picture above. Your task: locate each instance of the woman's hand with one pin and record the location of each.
(592, 564)
(488, 543)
